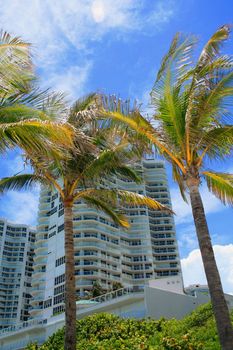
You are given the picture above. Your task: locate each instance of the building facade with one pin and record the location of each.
(16, 266)
(103, 251)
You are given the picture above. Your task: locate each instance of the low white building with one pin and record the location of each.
(160, 298)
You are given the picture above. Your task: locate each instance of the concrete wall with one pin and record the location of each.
(172, 284)
(161, 303)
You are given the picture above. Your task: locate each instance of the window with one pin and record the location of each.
(47, 303)
(77, 218)
(60, 228)
(54, 196)
(61, 212)
(90, 252)
(59, 289)
(52, 234)
(59, 279)
(90, 234)
(51, 212)
(60, 261)
(149, 275)
(58, 299)
(58, 309)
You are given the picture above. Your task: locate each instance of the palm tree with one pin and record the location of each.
(191, 127)
(77, 177)
(26, 113)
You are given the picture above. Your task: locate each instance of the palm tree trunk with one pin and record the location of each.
(70, 292)
(220, 309)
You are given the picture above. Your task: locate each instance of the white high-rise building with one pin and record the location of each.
(103, 251)
(16, 264)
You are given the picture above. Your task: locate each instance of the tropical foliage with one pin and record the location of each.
(26, 113)
(99, 152)
(196, 331)
(191, 127)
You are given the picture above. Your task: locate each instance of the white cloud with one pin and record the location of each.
(98, 11)
(20, 207)
(184, 211)
(122, 14)
(162, 13)
(52, 26)
(193, 271)
(63, 29)
(187, 237)
(67, 28)
(72, 80)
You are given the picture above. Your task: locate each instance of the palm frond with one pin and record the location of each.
(112, 103)
(121, 198)
(9, 42)
(210, 105)
(34, 134)
(15, 64)
(177, 176)
(83, 110)
(13, 113)
(84, 103)
(15, 81)
(111, 161)
(19, 182)
(131, 198)
(171, 111)
(145, 129)
(99, 204)
(212, 47)
(178, 58)
(221, 185)
(54, 105)
(219, 65)
(216, 143)
(127, 173)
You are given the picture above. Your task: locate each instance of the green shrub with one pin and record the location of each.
(196, 331)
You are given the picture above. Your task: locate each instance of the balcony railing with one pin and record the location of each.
(22, 325)
(116, 294)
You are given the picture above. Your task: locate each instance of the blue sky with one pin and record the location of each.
(115, 46)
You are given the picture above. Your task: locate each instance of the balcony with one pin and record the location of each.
(37, 297)
(38, 273)
(41, 246)
(40, 260)
(38, 281)
(43, 222)
(35, 290)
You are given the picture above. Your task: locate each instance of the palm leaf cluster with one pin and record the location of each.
(191, 126)
(93, 160)
(192, 102)
(99, 152)
(27, 115)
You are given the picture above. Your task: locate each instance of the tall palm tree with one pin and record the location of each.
(77, 177)
(192, 126)
(25, 111)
